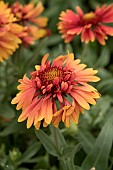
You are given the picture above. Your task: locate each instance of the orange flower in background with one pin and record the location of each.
(27, 15)
(9, 41)
(26, 37)
(91, 25)
(57, 91)
(31, 33)
(30, 13)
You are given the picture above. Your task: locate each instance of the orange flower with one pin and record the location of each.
(9, 42)
(57, 91)
(91, 25)
(30, 14)
(31, 33)
(26, 36)
(36, 32)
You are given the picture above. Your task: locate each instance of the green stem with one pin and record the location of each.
(57, 144)
(66, 163)
(56, 137)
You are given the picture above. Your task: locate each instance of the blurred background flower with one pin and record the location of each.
(9, 41)
(29, 17)
(90, 25)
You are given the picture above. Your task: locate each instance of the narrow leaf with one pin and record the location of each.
(6, 111)
(12, 127)
(86, 139)
(104, 58)
(30, 152)
(47, 142)
(98, 156)
(60, 136)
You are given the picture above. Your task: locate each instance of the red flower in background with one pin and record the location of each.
(29, 16)
(57, 91)
(91, 25)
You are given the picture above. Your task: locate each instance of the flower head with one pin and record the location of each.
(57, 91)
(30, 13)
(29, 16)
(91, 25)
(9, 41)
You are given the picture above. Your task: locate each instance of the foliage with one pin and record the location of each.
(79, 147)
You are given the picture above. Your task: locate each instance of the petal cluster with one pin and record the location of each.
(9, 41)
(90, 25)
(57, 91)
(29, 17)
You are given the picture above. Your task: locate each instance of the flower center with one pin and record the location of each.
(50, 73)
(89, 16)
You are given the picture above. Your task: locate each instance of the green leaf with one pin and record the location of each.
(67, 159)
(104, 74)
(77, 167)
(67, 151)
(6, 111)
(88, 55)
(12, 127)
(73, 4)
(60, 137)
(100, 112)
(106, 86)
(69, 48)
(74, 151)
(86, 140)
(51, 12)
(30, 152)
(22, 168)
(104, 58)
(47, 142)
(99, 154)
(71, 151)
(55, 39)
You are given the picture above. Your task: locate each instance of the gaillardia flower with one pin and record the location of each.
(9, 41)
(57, 91)
(90, 25)
(29, 17)
(30, 13)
